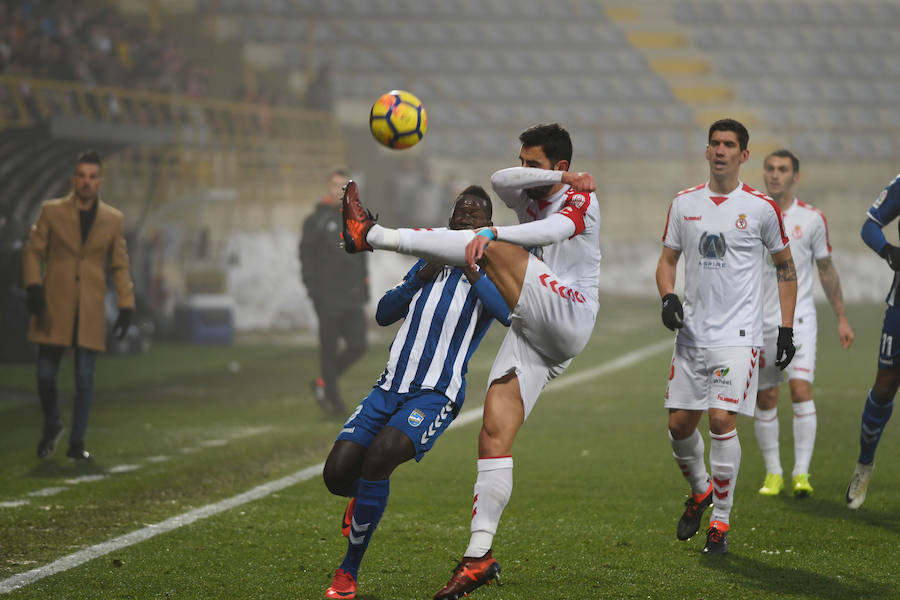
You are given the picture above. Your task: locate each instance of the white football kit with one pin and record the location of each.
(808, 230)
(557, 308)
(721, 238)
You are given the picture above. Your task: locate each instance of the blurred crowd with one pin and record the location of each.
(91, 43)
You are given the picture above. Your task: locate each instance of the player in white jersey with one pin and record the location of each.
(553, 301)
(808, 230)
(721, 228)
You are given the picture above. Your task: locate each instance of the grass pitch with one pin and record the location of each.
(597, 494)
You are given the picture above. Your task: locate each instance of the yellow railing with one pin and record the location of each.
(270, 155)
(193, 122)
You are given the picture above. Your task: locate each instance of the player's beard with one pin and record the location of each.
(540, 192)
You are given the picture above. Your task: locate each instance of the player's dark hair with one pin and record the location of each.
(342, 171)
(478, 192)
(785, 153)
(91, 157)
(731, 125)
(553, 139)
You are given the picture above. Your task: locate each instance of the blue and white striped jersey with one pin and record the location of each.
(445, 319)
(885, 209)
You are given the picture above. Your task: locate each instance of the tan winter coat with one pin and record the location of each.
(74, 274)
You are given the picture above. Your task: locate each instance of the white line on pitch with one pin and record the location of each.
(129, 539)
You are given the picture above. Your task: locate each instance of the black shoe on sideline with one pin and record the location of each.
(77, 452)
(49, 440)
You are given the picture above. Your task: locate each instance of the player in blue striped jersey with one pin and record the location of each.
(880, 401)
(446, 312)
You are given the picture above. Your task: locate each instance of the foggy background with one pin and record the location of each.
(218, 121)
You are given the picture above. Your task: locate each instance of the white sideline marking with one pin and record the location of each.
(47, 491)
(82, 556)
(13, 503)
(123, 468)
(86, 478)
(261, 491)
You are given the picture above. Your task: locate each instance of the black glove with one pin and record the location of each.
(891, 254)
(35, 300)
(122, 323)
(672, 313)
(785, 347)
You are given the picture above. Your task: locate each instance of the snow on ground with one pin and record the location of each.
(264, 278)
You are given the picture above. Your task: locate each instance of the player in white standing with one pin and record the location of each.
(808, 230)
(553, 301)
(721, 227)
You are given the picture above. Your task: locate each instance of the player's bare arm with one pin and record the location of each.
(665, 271)
(786, 274)
(429, 271)
(831, 284)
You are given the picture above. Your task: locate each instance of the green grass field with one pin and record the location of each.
(593, 513)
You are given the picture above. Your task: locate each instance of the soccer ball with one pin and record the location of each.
(398, 120)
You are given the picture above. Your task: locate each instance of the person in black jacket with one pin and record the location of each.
(337, 284)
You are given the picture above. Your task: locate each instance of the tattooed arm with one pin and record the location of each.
(831, 284)
(786, 274)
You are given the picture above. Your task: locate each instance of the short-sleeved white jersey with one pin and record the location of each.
(575, 260)
(808, 230)
(721, 238)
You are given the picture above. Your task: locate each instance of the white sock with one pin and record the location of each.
(445, 246)
(724, 463)
(804, 435)
(688, 454)
(493, 488)
(765, 424)
(383, 238)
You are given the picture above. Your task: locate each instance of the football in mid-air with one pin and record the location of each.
(398, 120)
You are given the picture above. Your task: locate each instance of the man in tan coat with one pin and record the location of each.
(74, 241)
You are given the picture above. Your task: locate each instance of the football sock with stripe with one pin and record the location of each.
(875, 416)
(371, 501)
(765, 425)
(689, 454)
(493, 488)
(724, 463)
(805, 422)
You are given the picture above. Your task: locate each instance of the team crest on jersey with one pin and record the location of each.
(576, 199)
(415, 418)
(797, 233)
(741, 222)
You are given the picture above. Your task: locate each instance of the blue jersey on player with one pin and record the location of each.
(445, 321)
(423, 386)
(885, 209)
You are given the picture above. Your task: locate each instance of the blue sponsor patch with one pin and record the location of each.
(415, 418)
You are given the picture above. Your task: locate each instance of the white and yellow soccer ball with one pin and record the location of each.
(398, 120)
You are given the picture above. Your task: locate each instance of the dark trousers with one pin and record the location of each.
(47, 369)
(342, 341)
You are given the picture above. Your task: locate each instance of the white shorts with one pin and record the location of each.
(550, 325)
(704, 378)
(803, 365)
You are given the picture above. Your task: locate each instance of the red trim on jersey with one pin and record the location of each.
(693, 189)
(824, 221)
(774, 205)
(575, 207)
(666, 230)
(717, 200)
